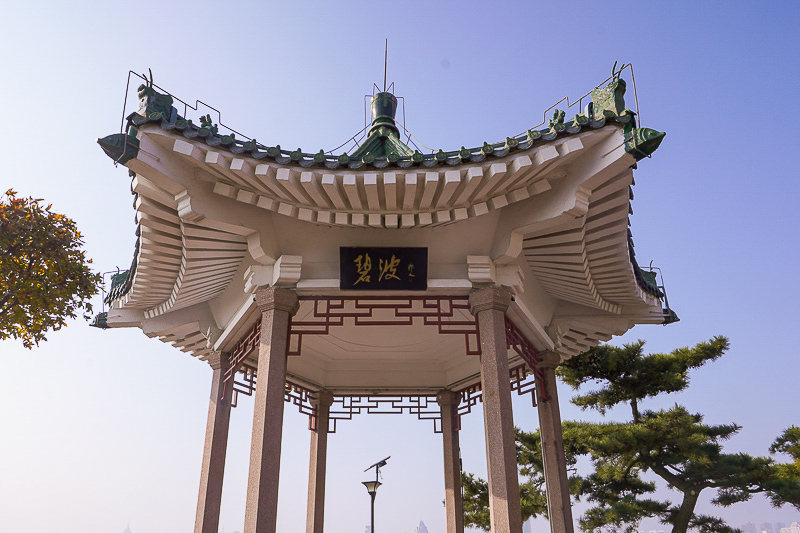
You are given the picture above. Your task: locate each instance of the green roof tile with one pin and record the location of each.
(383, 144)
(384, 148)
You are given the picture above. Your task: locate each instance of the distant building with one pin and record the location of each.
(127, 528)
(526, 527)
(794, 528)
(767, 527)
(421, 528)
(749, 527)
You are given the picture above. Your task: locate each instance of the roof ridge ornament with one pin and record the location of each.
(385, 62)
(383, 142)
(616, 74)
(609, 101)
(383, 137)
(150, 81)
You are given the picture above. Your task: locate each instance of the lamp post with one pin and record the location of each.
(372, 488)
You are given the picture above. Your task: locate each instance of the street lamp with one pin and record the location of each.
(372, 489)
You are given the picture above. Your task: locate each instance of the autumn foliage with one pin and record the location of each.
(44, 273)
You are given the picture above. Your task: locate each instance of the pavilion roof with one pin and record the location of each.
(383, 147)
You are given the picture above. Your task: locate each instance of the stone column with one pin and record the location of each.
(315, 516)
(489, 305)
(555, 464)
(219, 415)
(277, 307)
(454, 507)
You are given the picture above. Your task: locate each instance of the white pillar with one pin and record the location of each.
(219, 414)
(555, 464)
(489, 305)
(277, 307)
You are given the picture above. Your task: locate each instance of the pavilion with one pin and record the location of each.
(383, 280)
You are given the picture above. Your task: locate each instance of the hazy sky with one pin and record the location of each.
(99, 428)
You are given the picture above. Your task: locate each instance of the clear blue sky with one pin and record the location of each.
(101, 428)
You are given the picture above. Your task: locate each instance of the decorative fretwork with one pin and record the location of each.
(522, 380)
(244, 381)
(516, 340)
(236, 359)
(525, 378)
(450, 314)
(470, 396)
(446, 313)
(240, 377)
(304, 399)
(425, 407)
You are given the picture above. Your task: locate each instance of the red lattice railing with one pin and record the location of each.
(516, 340)
(450, 315)
(424, 406)
(446, 313)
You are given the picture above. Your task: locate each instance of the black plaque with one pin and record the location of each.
(383, 269)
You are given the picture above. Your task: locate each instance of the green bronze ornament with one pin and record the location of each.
(205, 122)
(151, 102)
(642, 142)
(609, 98)
(100, 321)
(383, 137)
(556, 124)
(121, 147)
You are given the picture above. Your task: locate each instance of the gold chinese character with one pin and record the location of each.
(363, 265)
(388, 268)
(411, 270)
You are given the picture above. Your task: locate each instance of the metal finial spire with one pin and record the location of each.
(385, 62)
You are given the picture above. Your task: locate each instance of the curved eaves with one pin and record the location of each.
(177, 264)
(587, 260)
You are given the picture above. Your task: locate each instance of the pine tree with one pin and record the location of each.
(673, 444)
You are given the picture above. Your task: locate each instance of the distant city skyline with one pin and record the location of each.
(526, 527)
(793, 528)
(771, 527)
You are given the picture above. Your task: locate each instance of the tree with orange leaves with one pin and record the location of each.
(44, 273)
